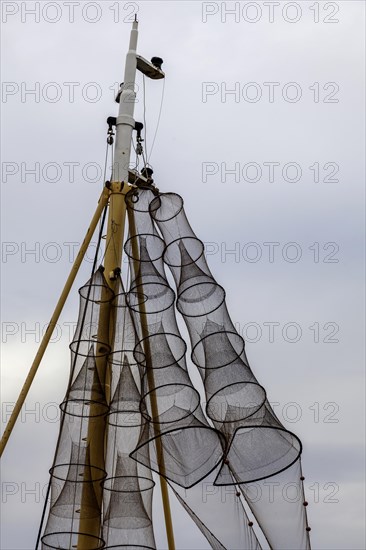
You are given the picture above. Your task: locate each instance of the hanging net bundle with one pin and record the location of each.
(77, 473)
(177, 437)
(128, 489)
(130, 394)
(258, 445)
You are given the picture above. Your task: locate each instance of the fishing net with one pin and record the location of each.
(77, 472)
(219, 514)
(177, 440)
(278, 503)
(258, 445)
(128, 489)
(130, 393)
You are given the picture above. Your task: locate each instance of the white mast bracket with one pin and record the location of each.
(126, 119)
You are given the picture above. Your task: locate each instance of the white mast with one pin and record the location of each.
(125, 121)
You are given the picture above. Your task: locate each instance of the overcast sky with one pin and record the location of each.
(262, 133)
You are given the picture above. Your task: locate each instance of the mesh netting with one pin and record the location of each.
(278, 504)
(78, 472)
(219, 514)
(177, 437)
(258, 445)
(210, 537)
(128, 489)
(131, 394)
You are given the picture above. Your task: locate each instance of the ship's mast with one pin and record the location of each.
(96, 438)
(125, 124)
(115, 192)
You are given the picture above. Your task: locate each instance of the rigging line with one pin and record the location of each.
(112, 154)
(105, 172)
(137, 161)
(158, 122)
(144, 100)
(144, 158)
(114, 243)
(105, 163)
(105, 249)
(111, 241)
(63, 415)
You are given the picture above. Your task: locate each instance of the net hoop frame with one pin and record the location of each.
(214, 284)
(110, 490)
(181, 239)
(124, 426)
(176, 336)
(82, 466)
(157, 471)
(112, 358)
(144, 284)
(153, 210)
(129, 546)
(126, 295)
(75, 347)
(150, 419)
(263, 477)
(94, 285)
(127, 245)
(78, 533)
(238, 354)
(238, 419)
(131, 204)
(86, 402)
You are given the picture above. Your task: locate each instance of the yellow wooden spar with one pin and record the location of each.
(97, 434)
(154, 405)
(53, 321)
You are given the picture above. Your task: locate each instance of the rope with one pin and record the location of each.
(148, 154)
(144, 100)
(105, 169)
(158, 122)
